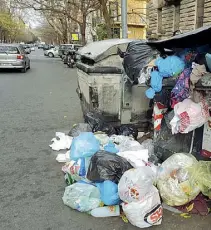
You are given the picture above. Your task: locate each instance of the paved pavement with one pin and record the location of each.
(33, 106)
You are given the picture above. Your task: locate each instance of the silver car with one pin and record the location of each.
(13, 56)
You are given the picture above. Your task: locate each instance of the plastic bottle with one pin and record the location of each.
(106, 211)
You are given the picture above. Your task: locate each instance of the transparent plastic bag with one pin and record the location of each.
(174, 181)
(85, 145)
(146, 212)
(135, 184)
(82, 197)
(201, 173)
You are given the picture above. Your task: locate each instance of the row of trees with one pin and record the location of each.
(65, 16)
(12, 26)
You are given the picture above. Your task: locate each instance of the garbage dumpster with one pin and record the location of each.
(102, 86)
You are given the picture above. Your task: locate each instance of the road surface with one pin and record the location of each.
(33, 106)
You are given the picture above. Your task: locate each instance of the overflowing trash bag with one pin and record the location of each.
(136, 183)
(85, 145)
(138, 54)
(82, 197)
(146, 212)
(127, 130)
(107, 166)
(97, 124)
(201, 173)
(77, 129)
(109, 193)
(175, 183)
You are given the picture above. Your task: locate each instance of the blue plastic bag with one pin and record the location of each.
(109, 193)
(84, 145)
(170, 66)
(111, 148)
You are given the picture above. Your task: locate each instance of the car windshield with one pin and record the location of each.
(9, 49)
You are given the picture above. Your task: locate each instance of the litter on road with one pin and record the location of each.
(111, 171)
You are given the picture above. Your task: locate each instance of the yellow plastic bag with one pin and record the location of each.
(201, 173)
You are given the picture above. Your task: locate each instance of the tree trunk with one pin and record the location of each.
(107, 18)
(83, 30)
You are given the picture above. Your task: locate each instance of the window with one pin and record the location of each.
(116, 32)
(9, 50)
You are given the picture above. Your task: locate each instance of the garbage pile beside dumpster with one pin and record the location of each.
(110, 172)
(121, 181)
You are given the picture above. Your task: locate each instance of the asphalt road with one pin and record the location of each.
(33, 106)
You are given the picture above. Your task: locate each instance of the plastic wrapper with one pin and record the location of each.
(85, 145)
(201, 173)
(61, 142)
(97, 124)
(82, 197)
(127, 130)
(109, 193)
(146, 212)
(136, 158)
(174, 180)
(135, 184)
(77, 169)
(79, 128)
(129, 145)
(103, 138)
(107, 166)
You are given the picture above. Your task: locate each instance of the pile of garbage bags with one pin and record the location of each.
(111, 175)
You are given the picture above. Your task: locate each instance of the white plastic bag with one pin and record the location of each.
(146, 212)
(135, 184)
(174, 183)
(82, 197)
(189, 115)
(63, 157)
(61, 141)
(136, 158)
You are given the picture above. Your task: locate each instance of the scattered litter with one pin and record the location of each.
(107, 211)
(63, 157)
(61, 142)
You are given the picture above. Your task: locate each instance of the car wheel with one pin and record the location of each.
(24, 69)
(29, 67)
(51, 55)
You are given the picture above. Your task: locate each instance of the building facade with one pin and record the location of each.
(167, 16)
(136, 15)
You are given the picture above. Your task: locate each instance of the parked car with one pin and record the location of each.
(54, 52)
(64, 47)
(32, 49)
(27, 48)
(40, 46)
(13, 56)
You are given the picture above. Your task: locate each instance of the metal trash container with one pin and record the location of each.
(101, 82)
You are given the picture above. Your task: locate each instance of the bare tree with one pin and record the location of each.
(63, 12)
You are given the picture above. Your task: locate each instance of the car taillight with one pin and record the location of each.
(20, 57)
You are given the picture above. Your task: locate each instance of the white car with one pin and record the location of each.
(32, 48)
(54, 52)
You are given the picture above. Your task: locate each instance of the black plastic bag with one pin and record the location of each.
(127, 130)
(79, 128)
(97, 124)
(107, 166)
(137, 55)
